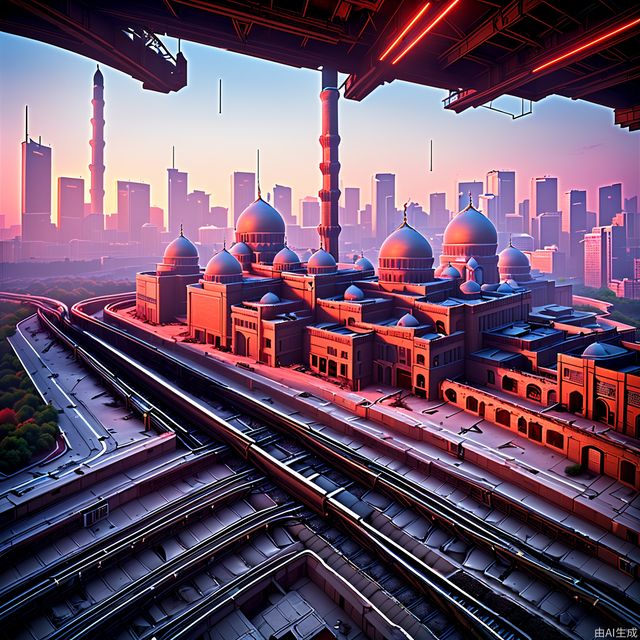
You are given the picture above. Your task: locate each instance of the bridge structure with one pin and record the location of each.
(478, 50)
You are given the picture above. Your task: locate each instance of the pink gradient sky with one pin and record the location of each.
(277, 109)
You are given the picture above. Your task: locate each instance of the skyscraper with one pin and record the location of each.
(134, 202)
(36, 191)
(476, 189)
(70, 208)
(502, 184)
(197, 213)
(609, 203)
(177, 189)
(544, 195)
(243, 193)
(96, 167)
(384, 197)
(438, 214)
(351, 205)
(574, 226)
(309, 212)
(282, 201)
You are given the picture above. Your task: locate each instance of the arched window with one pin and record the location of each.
(628, 472)
(535, 431)
(575, 402)
(472, 404)
(503, 417)
(440, 327)
(522, 425)
(509, 384)
(420, 381)
(420, 359)
(600, 410)
(555, 439)
(451, 395)
(552, 397)
(534, 392)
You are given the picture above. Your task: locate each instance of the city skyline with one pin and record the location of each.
(609, 158)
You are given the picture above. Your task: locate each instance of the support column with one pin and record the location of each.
(329, 227)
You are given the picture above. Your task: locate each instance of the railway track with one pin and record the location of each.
(341, 496)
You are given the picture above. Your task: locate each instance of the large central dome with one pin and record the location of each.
(260, 217)
(406, 242)
(470, 227)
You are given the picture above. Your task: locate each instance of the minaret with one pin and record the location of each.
(97, 145)
(329, 227)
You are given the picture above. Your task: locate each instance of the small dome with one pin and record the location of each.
(322, 259)
(223, 264)
(470, 227)
(240, 249)
(489, 287)
(181, 247)
(504, 288)
(353, 293)
(405, 242)
(470, 286)
(269, 298)
(408, 320)
(260, 217)
(596, 350)
(473, 263)
(512, 283)
(449, 272)
(363, 264)
(512, 257)
(286, 256)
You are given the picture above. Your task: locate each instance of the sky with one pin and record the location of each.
(277, 109)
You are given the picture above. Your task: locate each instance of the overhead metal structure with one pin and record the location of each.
(478, 50)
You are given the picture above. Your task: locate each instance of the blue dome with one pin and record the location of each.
(470, 286)
(512, 257)
(240, 249)
(353, 293)
(505, 287)
(470, 227)
(269, 298)
(321, 259)
(408, 320)
(181, 247)
(260, 217)
(223, 264)
(363, 264)
(449, 272)
(286, 256)
(405, 242)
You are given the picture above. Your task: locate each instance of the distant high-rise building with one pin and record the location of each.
(476, 189)
(243, 193)
(177, 190)
(545, 228)
(384, 196)
(134, 202)
(605, 256)
(309, 212)
(502, 184)
(36, 191)
(197, 213)
(219, 216)
(544, 195)
(488, 203)
(156, 218)
(574, 226)
(609, 203)
(631, 204)
(96, 167)
(351, 205)
(282, 201)
(70, 208)
(438, 214)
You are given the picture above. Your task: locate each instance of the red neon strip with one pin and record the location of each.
(606, 36)
(424, 33)
(392, 46)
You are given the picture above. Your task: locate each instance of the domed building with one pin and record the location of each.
(513, 264)
(471, 235)
(262, 229)
(224, 268)
(321, 262)
(242, 253)
(363, 264)
(286, 260)
(405, 256)
(161, 295)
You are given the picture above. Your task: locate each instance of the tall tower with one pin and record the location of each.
(329, 227)
(97, 145)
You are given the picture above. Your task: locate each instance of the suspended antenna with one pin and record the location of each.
(219, 95)
(431, 155)
(173, 157)
(26, 123)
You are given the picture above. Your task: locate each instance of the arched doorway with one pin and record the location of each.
(241, 344)
(575, 402)
(552, 397)
(481, 410)
(503, 417)
(472, 404)
(593, 459)
(600, 410)
(451, 395)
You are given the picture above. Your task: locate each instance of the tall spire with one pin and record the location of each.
(181, 232)
(404, 214)
(97, 146)
(258, 172)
